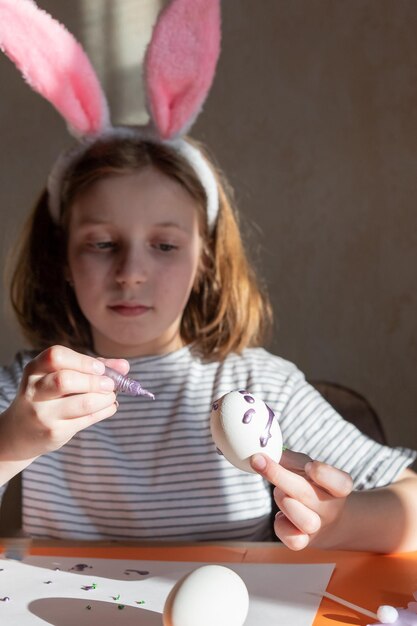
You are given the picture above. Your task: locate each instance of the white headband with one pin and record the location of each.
(190, 153)
(179, 68)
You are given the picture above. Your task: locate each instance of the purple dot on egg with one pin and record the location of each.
(242, 391)
(264, 440)
(248, 416)
(249, 399)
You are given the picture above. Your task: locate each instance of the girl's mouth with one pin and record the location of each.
(129, 310)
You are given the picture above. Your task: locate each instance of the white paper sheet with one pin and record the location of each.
(40, 594)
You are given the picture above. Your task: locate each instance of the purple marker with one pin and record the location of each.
(126, 385)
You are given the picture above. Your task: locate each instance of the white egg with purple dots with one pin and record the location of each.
(242, 425)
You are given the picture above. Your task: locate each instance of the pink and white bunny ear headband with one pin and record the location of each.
(179, 68)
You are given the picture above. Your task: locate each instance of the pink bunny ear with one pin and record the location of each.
(180, 63)
(54, 64)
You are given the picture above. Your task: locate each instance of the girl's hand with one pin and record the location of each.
(311, 497)
(61, 393)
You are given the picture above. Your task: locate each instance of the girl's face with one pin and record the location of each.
(133, 255)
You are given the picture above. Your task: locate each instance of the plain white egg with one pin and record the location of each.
(211, 595)
(242, 425)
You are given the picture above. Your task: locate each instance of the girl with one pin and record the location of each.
(132, 270)
(133, 259)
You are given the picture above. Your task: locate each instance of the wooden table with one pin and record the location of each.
(365, 579)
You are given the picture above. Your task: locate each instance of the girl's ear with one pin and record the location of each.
(180, 63)
(54, 64)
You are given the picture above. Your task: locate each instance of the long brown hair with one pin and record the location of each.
(227, 310)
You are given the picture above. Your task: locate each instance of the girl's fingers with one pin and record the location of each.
(98, 416)
(308, 493)
(120, 365)
(60, 357)
(335, 482)
(291, 536)
(89, 404)
(294, 461)
(294, 485)
(66, 382)
(68, 428)
(314, 484)
(303, 518)
(81, 405)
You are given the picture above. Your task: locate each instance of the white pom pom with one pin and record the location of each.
(387, 614)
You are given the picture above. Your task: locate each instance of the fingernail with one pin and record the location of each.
(258, 462)
(117, 404)
(308, 466)
(97, 367)
(106, 384)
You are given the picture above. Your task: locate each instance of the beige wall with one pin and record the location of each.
(313, 115)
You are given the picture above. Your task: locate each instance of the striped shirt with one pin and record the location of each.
(151, 472)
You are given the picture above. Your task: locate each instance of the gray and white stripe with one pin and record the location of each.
(151, 472)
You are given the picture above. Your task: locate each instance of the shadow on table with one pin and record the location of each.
(345, 619)
(73, 611)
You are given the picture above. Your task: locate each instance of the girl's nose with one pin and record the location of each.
(131, 268)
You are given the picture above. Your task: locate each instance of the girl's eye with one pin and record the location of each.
(104, 245)
(165, 247)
